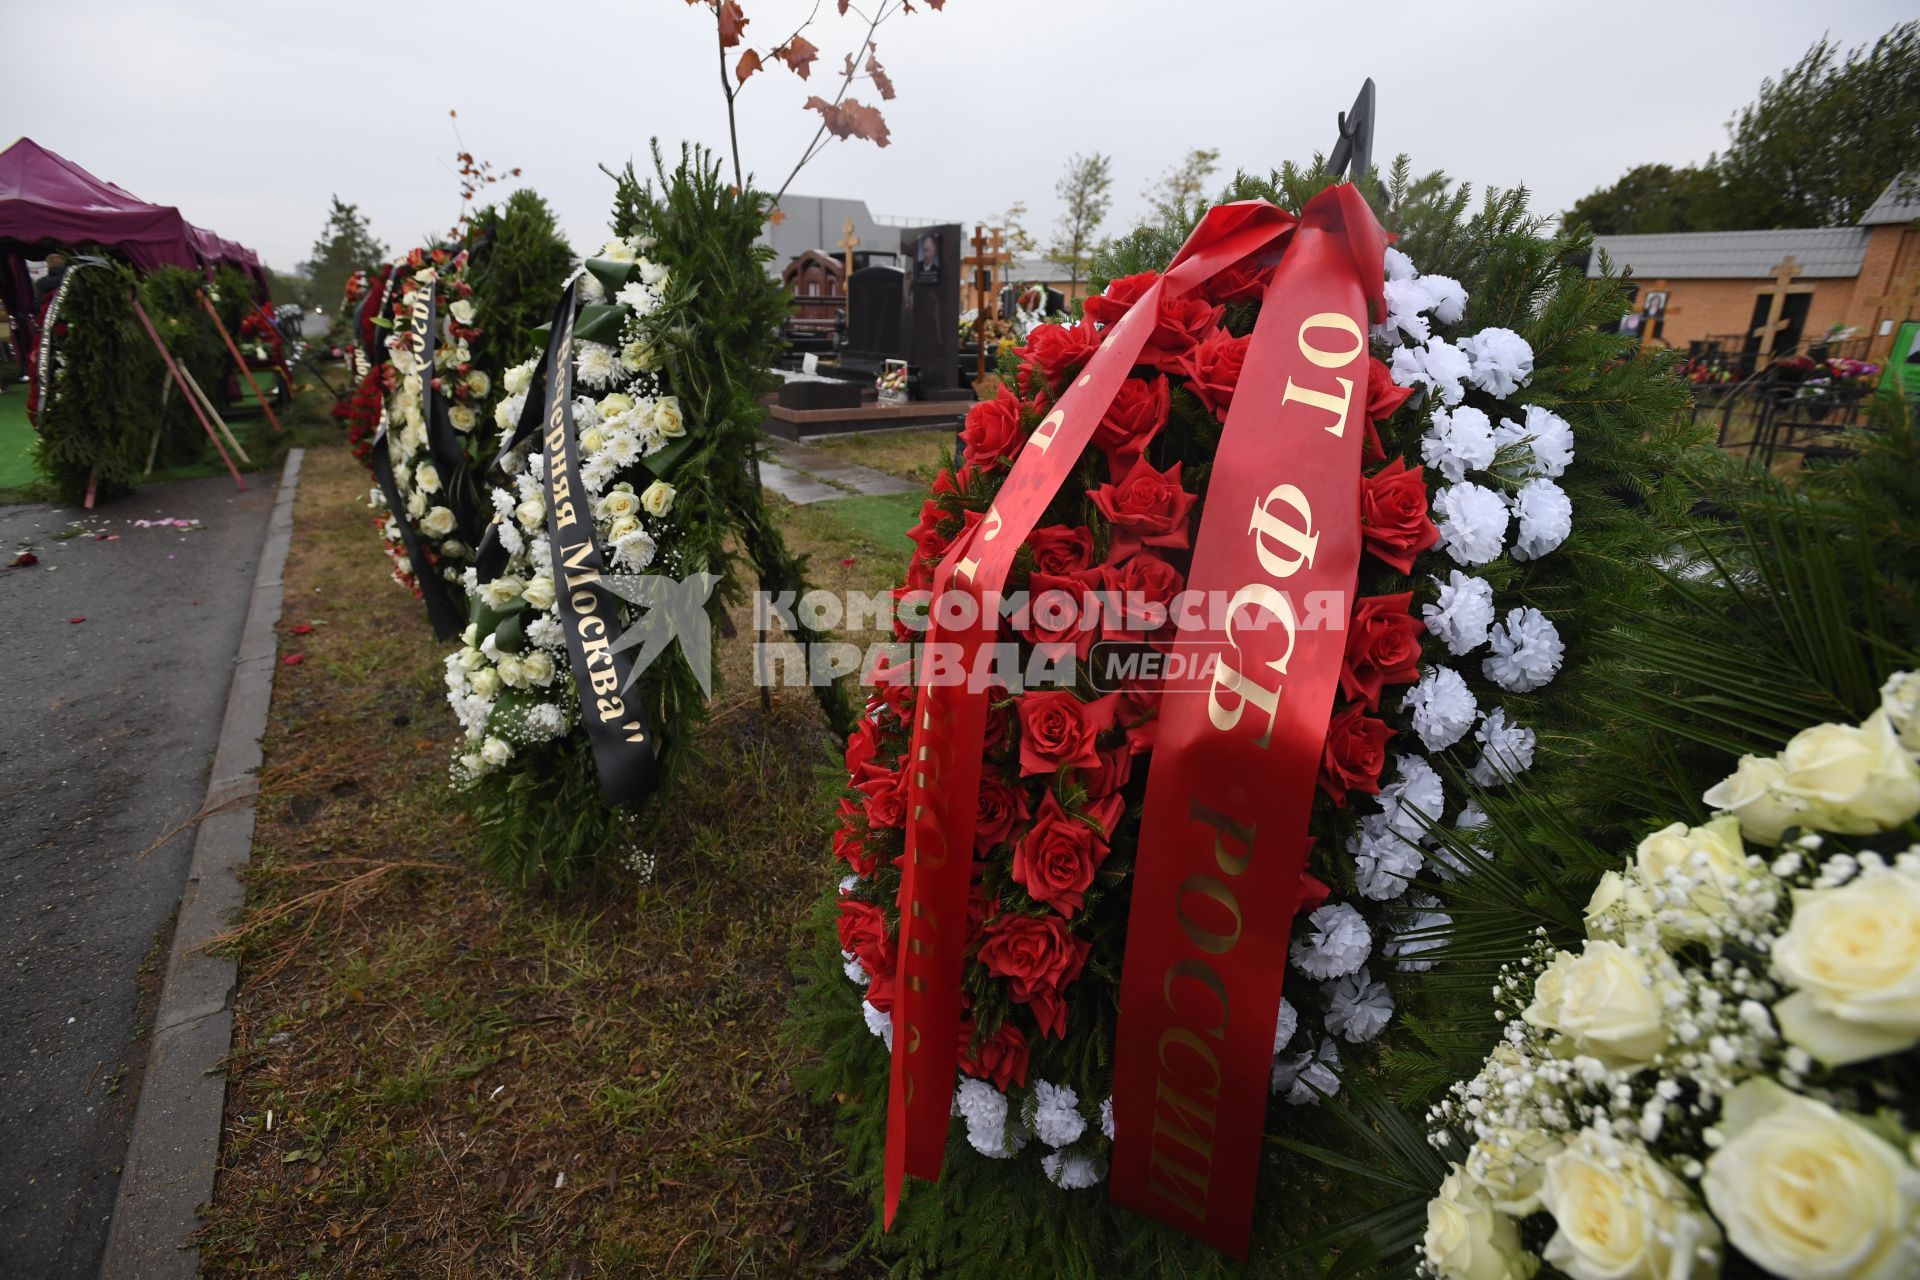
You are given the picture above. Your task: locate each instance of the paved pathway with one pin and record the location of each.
(109, 729)
(803, 474)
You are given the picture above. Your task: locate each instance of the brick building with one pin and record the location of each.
(1770, 293)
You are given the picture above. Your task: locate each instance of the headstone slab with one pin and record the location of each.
(876, 301)
(933, 308)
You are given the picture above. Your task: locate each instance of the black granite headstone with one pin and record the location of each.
(875, 314)
(933, 311)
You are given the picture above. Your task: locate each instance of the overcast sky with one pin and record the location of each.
(247, 116)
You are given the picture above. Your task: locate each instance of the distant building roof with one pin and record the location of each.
(1822, 252)
(1900, 202)
(1025, 270)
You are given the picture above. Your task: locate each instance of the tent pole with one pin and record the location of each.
(214, 413)
(93, 482)
(240, 360)
(167, 358)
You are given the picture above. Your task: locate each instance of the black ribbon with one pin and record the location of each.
(624, 745)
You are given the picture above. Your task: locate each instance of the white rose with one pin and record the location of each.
(1468, 1240)
(502, 591)
(426, 478)
(658, 499)
(538, 668)
(637, 356)
(511, 673)
(1853, 953)
(1751, 794)
(619, 504)
(416, 504)
(471, 763)
(666, 417)
(1900, 699)
(1604, 1003)
(479, 383)
(592, 440)
(462, 418)
(1619, 1215)
(437, 523)
(518, 379)
(615, 403)
(486, 682)
(472, 659)
(462, 310)
(1624, 898)
(1854, 781)
(1808, 1193)
(530, 513)
(471, 636)
(495, 752)
(621, 528)
(1509, 1165)
(618, 250)
(1712, 855)
(539, 592)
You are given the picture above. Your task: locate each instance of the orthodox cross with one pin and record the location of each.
(848, 241)
(1353, 153)
(989, 255)
(1902, 298)
(1782, 285)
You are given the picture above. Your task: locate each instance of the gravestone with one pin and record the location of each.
(933, 311)
(874, 315)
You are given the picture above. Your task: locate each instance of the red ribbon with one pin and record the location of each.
(1259, 448)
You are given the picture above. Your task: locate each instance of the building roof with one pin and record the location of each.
(1822, 252)
(1039, 268)
(1900, 202)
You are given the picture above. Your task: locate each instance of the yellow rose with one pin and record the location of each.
(1713, 855)
(615, 404)
(1751, 794)
(1603, 1002)
(1853, 781)
(666, 417)
(1620, 1215)
(658, 499)
(1468, 1240)
(1806, 1192)
(621, 528)
(619, 504)
(1853, 953)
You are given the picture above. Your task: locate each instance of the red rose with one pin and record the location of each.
(1116, 768)
(1060, 550)
(862, 744)
(1384, 398)
(992, 435)
(1183, 323)
(1058, 612)
(1037, 956)
(1136, 415)
(1058, 856)
(1244, 281)
(886, 802)
(1107, 308)
(1356, 752)
(863, 931)
(849, 842)
(1058, 350)
(1147, 506)
(1139, 605)
(1001, 1057)
(1393, 515)
(1057, 730)
(1383, 647)
(1213, 370)
(998, 808)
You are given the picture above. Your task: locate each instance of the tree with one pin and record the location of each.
(1184, 186)
(1823, 140)
(346, 245)
(1649, 198)
(1014, 224)
(1087, 189)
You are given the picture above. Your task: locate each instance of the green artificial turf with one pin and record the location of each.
(17, 470)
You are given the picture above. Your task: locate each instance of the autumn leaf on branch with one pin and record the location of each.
(749, 63)
(732, 23)
(799, 54)
(879, 75)
(850, 118)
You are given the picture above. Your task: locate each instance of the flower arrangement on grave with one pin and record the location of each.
(892, 382)
(1490, 419)
(1723, 1068)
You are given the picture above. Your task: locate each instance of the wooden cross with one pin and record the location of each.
(1901, 296)
(848, 241)
(1782, 286)
(989, 256)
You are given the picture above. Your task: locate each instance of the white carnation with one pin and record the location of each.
(1106, 1112)
(1439, 366)
(1405, 299)
(1338, 944)
(1501, 359)
(1462, 615)
(1446, 298)
(1384, 863)
(1358, 1007)
(1309, 1075)
(1458, 442)
(634, 551)
(1506, 750)
(1442, 707)
(879, 1024)
(1282, 1030)
(1527, 651)
(1056, 1117)
(1399, 265)
(1547, 439)
(1424, 932)
(1545, 515)
(1473, 522)
(1072, 1171)
(1413, 802)
(595, 364)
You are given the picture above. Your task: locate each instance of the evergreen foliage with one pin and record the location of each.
(171, 298)
(104, 403)
(1632, 488)
(345, 245)
(517, 257)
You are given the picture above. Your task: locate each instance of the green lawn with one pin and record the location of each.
(16, 440)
